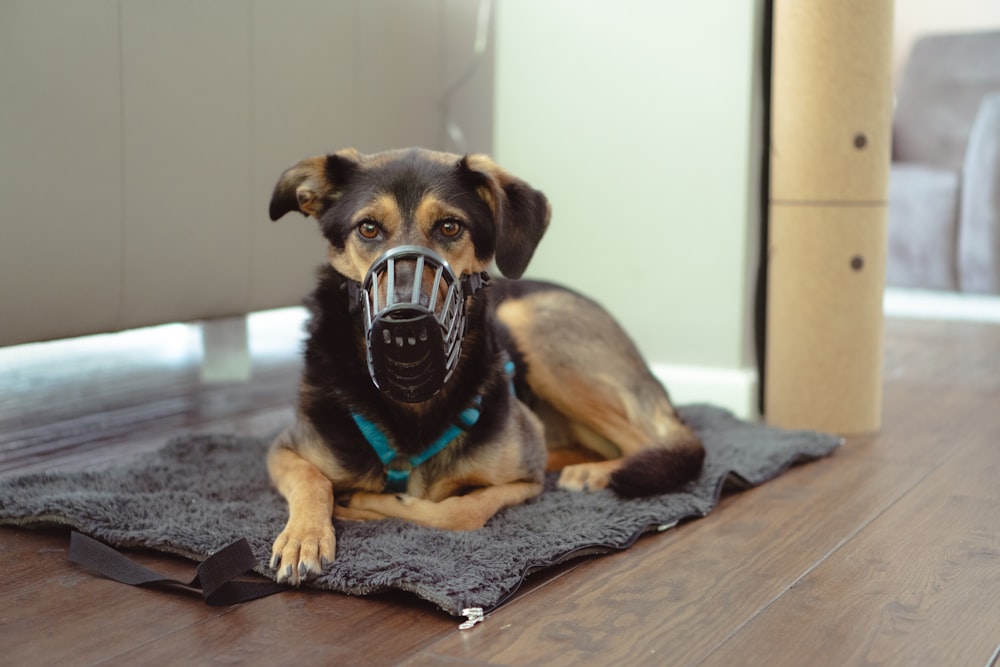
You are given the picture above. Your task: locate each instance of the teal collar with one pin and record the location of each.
(397, 468)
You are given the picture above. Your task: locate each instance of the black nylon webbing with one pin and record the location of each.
(215, 578)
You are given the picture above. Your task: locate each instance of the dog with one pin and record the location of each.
(435, 393)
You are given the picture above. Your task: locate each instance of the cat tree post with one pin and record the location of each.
(831, 105)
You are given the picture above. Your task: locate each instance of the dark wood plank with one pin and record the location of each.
(672, 598)
(100, 620)
(304, 627)
(886, 551)
(676, 603)
(936, 377)
(53, 612)
(98, 452)
(942, 354)
(184, 403)
(918, 586)
(66, 398)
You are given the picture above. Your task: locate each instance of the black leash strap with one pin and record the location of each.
(215, 580)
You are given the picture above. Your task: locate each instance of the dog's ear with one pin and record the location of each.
(310, 185)
(520, 212)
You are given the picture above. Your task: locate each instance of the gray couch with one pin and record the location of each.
(140, 141)
(944, 192)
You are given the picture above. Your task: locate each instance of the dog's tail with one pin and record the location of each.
(661, 469)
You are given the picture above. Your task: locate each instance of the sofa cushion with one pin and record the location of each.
(944, 82)
(979, 227)
(923, 213)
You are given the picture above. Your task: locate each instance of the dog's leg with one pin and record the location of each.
(466, 512)
(307, 543)
(657, 451)
(567, 456)
(583, 365)
(506, 471)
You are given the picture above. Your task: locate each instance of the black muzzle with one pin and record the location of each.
(413, 311)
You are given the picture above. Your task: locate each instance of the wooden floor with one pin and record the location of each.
(886, 553)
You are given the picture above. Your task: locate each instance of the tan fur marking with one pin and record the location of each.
(516, 314)
(351, 154)
(601, 405)
(597, 402)
(501, 178)
(350, 262)
(461, 254)
(384, 210)
(467, 512)
(313, 192)
(353, 261)
(588, 476)
(594, 386)
(431, 210)
(307, 539)
(485, 164)
(491, 195)
(463, 260)
(567, 456)
(305, 472)
(307, 443)
(314, 187)
(515, 455)
(385, 157)
(587, 437)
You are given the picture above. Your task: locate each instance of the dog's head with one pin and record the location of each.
(466, 209)
(413, 232)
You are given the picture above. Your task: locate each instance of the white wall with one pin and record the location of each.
(640, 120)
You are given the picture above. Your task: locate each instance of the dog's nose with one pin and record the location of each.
(402, 288)
(408, 287)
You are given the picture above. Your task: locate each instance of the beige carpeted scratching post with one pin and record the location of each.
(831, 108)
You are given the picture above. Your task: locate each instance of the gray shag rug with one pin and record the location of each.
(200, 493)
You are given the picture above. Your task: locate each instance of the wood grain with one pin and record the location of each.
(885, 553)
(55, 613)
(679, 594)
(918, 586)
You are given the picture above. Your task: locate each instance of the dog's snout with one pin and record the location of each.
(406, 280)
(412, 281)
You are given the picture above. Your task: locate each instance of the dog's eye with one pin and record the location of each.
(450, 228)
(368, 229)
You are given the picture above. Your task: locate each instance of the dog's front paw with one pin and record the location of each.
(302, 550)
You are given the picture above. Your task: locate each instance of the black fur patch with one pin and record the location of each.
(338, 382)
(656, 471)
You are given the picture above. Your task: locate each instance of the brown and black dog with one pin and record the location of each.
(547, 373)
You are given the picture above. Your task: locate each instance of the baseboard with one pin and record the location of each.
(934, 305)
(732, 388)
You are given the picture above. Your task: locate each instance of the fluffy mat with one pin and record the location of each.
(200, 493)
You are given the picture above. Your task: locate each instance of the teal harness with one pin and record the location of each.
(397, 468)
